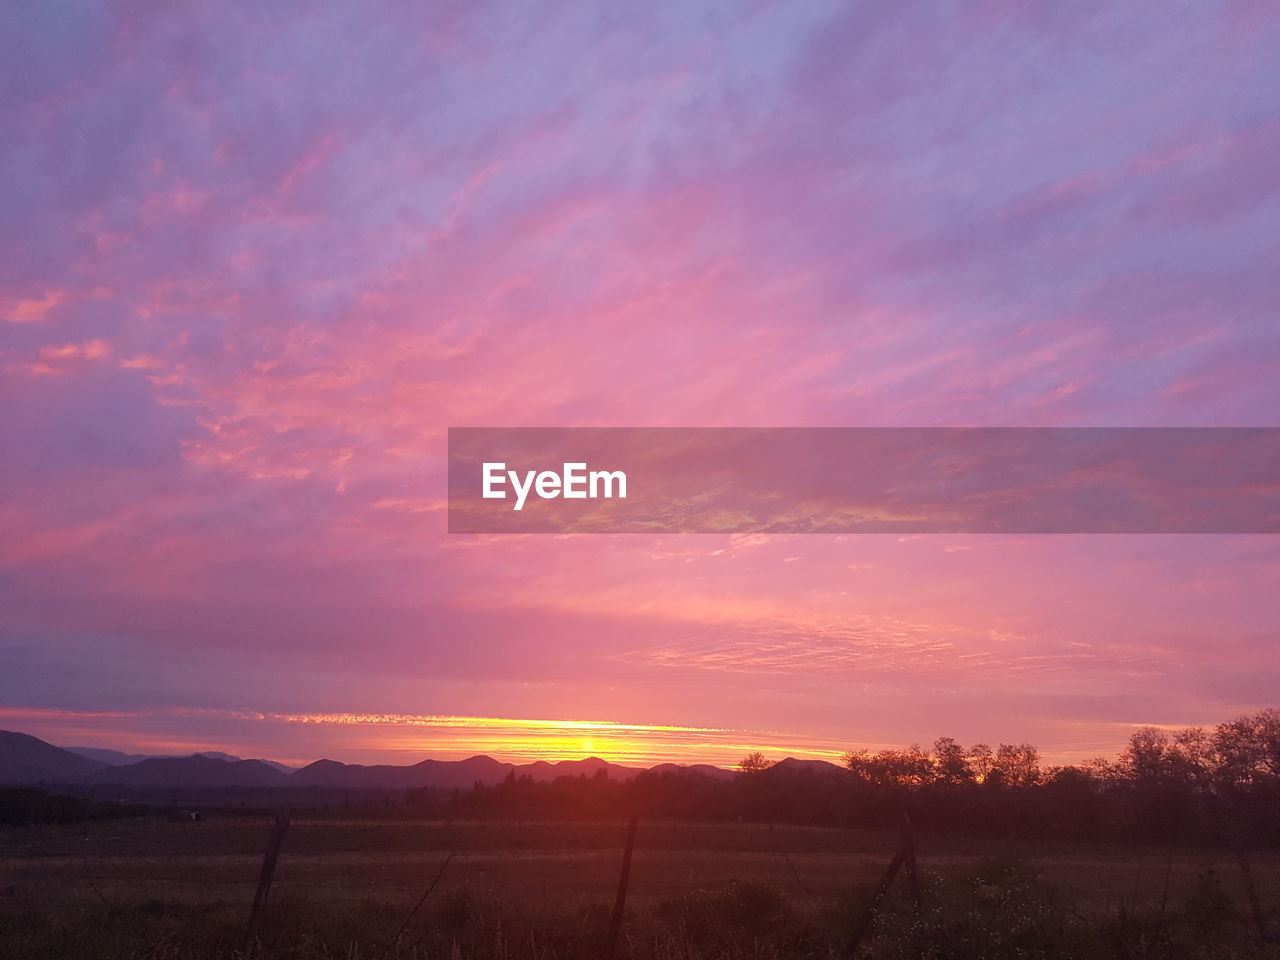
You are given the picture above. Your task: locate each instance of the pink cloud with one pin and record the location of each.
(248, 282)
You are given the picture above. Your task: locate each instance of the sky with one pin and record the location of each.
(255, 259)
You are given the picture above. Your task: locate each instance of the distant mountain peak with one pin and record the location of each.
(27, 759)
(116, 758)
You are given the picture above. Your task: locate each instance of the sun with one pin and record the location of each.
(587, 745)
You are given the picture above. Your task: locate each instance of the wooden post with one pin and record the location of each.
(404, 926)
(264, 882)
(909, 859)
(869, 914)
(615, 924)
(1168, 875)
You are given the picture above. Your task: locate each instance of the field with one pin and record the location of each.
(152, 888)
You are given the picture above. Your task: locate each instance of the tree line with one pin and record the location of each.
(1238, 755)
(1195, 785)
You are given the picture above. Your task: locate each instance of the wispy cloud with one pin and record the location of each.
(246, 285)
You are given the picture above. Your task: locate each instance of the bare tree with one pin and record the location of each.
(951, 766)
(901, 767)
(980, 759)
(1147, 758)
(1019, 764)
(754, 762)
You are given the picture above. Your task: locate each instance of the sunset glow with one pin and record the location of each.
(399, 739)
(245, 290)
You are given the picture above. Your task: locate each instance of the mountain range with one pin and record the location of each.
(27, 760)
(117, 758)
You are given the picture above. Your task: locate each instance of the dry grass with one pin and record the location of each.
(156, 889)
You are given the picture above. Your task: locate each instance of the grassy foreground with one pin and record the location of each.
(148, 889)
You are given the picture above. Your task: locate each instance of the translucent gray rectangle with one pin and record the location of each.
(865, 480)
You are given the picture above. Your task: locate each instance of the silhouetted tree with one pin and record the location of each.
(980, 760)
(1018, 764)
(951, 766)
(898, 767)
(1147, 759)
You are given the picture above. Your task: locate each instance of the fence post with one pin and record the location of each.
(868, 914)
(264, 882)
(615, 924)
(909, 860)
(412, 913)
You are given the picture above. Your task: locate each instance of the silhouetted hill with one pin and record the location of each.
(428, 773)
(116, 758)
(26, 759)
(193, 771)
(112, 758)
(448, 774)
